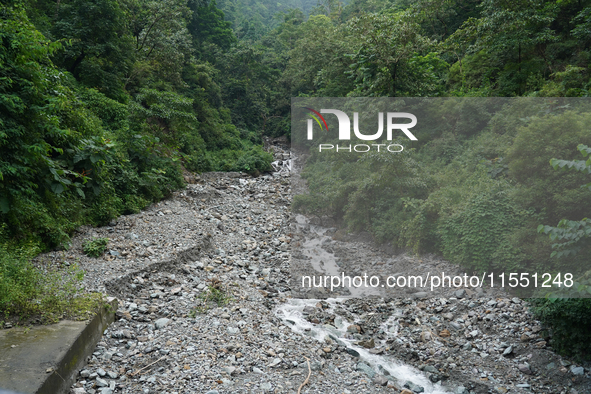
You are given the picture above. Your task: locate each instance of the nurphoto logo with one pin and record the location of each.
(392, 124)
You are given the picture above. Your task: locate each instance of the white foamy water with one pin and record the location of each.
(292, 315)
(324, 262)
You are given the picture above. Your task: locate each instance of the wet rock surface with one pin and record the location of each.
(206, 306)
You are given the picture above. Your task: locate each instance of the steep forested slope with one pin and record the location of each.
(102, 104)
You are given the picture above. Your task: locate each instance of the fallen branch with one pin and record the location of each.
(308, 378)
(149, 365)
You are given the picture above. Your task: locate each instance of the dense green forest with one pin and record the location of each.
(105, 103)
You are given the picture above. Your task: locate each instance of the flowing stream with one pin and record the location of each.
(291, 313)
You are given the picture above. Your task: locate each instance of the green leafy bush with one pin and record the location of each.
(572, 234)
(569, 321)
(32, 102)
(473, 236)
(556, 193)
(18, 280)
(254, 161)
(45, 293)
(95, 247)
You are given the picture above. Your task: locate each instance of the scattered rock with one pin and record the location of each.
(415, 388)
(577, 370)
(101, 382)
(354, 329)
(380, 380)
(524, 368)
(161, 323)
(430, 368)
(230, 370)
(367, 344)
(366, 369)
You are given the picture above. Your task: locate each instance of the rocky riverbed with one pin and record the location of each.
(206, 306)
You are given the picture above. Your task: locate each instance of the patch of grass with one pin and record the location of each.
(42, 294)
(215, 294)
(95, 247)
(84, 306)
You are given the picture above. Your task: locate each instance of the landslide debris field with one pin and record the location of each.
(205, 306)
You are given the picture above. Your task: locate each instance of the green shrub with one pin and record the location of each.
(475, 235)
(558, 194)
(574, 236)
(569, 321)
(46, 293)
(18, 279)
(105, 208)
(95, 247)
(113, 114)
(133, 203)
(419, 231)
(254, 160)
